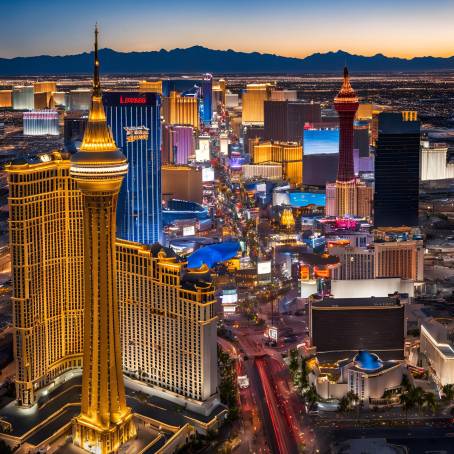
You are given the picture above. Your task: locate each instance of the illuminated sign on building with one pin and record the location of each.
(304, 272)
(264, 272)
(133, 100)
(260, 187)
(346, 223)
(303, 199)
(272, 333)
(224, 144)
(189, 230)
(321, 272)
(229, 300)
(264, 267)
(207, 174)
(134, 133)
(321, 141)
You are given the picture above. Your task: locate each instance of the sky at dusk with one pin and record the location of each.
(403, 28)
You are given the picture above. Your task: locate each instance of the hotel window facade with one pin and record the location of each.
(167, 323)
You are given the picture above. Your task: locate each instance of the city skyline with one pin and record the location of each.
(301, 29)
(220, 251)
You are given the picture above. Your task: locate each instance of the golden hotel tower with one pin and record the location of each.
(105, 422)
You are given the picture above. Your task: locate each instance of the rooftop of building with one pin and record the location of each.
(213, 254)
(39, 158)
(440, 332)
(369, 445)
(372, 302)
(395, 123)
(367, 361)
(63, 403)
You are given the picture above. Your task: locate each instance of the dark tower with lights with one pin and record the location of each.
(346, 104)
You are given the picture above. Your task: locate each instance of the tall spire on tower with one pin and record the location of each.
(97, 135)
(105, 421)
(346, 93)
(96, 81)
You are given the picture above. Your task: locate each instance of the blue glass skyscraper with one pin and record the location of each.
(135, 121)
(207, 93)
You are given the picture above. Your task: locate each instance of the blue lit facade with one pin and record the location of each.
(183, 209)
(134, 119)
(207, 92)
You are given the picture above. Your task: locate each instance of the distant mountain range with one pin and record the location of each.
(198, 59)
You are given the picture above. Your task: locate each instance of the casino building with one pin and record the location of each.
(341, 327)
(365, 374)
(289, 155)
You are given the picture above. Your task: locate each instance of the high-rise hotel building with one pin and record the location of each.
(253, 99)
(397, 170)
(154, 86)
(181, 110)
(207, 93)
(68, 270)
(288, 154)
(167, 321)
(46, 242)
(135, 121)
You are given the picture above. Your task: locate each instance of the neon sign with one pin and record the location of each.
(132, 100)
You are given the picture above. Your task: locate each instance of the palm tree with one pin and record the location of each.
(304, 370)
(407, 402)
(343, 405)
(448, 392)
(293, 364)
(418, 397)
(311, 396)
(430, 401)
(405, 383)
(352, 398)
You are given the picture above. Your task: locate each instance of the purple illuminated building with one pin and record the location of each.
(183, 144)
(177, 144)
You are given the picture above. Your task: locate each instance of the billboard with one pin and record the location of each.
(272, 333)
(321, 141)
(229, 300)
(202, 155)
(304, 272)
(189, 230)
(229, 297)
(308, 288)
(207, 174)
(263, 272)
(365, 288)
(260, 187)
(264, 267)
(303, 199)
(224, 144)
